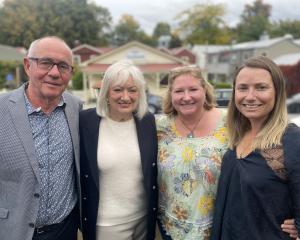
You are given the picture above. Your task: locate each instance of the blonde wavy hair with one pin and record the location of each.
(195, 71)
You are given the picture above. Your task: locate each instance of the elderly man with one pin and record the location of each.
(39, 165)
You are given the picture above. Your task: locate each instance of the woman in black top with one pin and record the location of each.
(259, 186)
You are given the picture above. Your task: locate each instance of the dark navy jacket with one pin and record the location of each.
(89, 123)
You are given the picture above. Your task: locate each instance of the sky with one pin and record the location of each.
(149, 12)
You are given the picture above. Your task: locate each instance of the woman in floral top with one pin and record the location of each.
(192, 140)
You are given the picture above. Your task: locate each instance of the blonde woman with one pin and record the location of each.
(259, 185)
(192, 140)
(118, 160)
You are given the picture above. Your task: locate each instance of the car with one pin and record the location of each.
(223, 96)
(154, 103)
(293, 104)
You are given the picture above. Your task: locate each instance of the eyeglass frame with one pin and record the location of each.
(58, 65)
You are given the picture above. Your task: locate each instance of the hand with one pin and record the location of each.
(288, 226)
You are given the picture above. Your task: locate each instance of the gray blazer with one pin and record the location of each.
(19, 172)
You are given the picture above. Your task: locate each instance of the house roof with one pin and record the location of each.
(209, 48)
(288, 59)
(132, 44)
(146, 68)
(99, 50)
(264, 43)
(297, 41)
(9, 53)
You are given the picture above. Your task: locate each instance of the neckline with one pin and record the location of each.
(119, 122)
(191, 130)
(177, 134)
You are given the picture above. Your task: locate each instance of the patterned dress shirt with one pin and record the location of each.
(54, 151)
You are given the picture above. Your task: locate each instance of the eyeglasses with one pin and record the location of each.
(47, 64)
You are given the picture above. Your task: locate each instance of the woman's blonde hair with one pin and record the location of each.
(273, 128)
(119, 73)
(195, 72)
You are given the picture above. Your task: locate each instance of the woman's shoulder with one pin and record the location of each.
(88, 115)
(221, 115)
(291, 137)
(162, 121)
(87, 112)
(292, 134)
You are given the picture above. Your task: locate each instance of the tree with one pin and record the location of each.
(204, 24)
(164, 29)
(161, 28)
(128, 29)
(175, 41)
(22, 21)
(283, 27)
(254, 21)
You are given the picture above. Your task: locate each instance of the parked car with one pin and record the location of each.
(293, 104)
(154, 103)
(223, 96)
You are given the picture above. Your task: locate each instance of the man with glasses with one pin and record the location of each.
(39, 149)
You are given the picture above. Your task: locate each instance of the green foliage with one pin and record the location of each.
(254, 21)
(128, 29)
(222, 85)
(5, 68)
(204, 24)
(161, 29)
(164, 29)
(283, 27)
(77, 79)
(175, 41)
(22, 21)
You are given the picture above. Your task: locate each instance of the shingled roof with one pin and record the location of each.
(9, 53)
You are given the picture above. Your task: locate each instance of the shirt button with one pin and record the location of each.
(86, 176)
(154, 187)
(85, 219)
(31, 225)
(154, 209)
(153, 164)
(84, 198)
(36, 195)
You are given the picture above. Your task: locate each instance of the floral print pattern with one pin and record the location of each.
(188, 172)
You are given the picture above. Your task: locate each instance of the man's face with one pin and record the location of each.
(47, 85)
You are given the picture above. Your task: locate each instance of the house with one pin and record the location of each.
(201, 52)
(85, 52)
(181, 52)
(15, 55)
(290, 67)
(154, 64)
(221, 65)
(297, 41)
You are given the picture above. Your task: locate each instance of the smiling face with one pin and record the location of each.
(123, 100)
(254, 94)
(47, 85)
(188, 95)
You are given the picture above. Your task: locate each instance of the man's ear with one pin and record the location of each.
(26, 64)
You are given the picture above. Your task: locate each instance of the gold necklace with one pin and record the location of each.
(191, 130)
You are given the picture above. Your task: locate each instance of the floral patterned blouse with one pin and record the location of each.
(188, 172)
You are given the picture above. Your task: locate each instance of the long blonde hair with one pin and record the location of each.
(272, 130)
